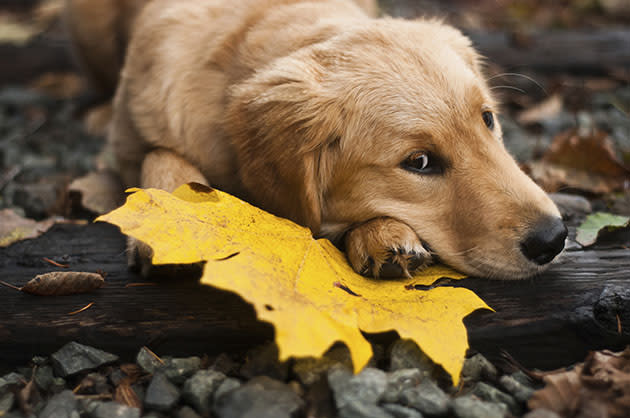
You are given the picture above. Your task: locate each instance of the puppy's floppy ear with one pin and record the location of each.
(282, 122)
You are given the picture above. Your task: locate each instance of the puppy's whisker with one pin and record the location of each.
(519, 75)
(508, 88)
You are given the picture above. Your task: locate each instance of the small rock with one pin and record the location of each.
(571, 206)
(309, 369)
(98, 409)
(478, 368)
(399, 411)
(261, 397)
(153, 414)
(187, 412)
(405, 354)
(39, 361)
(366, 387)
(12, 379)
(161, 394)
(492, 394)
(94, 383)
(523, 379)
(541, 413)
(227, 385)
(400, 380)
(263, 361)
(199, 388)
(74, 358)
(147, 361)
(427, 398)
(44, 378)
(357, 409)
(37, 199)
(117, 376)
(62, 405)
(58, 385)
(177, 370)
(6, 402)
(224, 364)
(520, 392)
(471, 407)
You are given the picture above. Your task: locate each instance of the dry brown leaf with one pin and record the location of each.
(58, 283)
(61, 85)
(100, 191)
(599, 387)
(582, 162)
(14, 227)
(547, 109)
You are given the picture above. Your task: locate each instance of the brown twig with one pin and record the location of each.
(86, 307)
(153, 354)
(140, 284)
(2, 282)
(54, 263)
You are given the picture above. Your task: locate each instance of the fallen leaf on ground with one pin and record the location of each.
(14, 227)
(99, 191)
(599, 387)
(582, 162)
(547, 109)
(590, 229)
(304, 287)
(59, 283)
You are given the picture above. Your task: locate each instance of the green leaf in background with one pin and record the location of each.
(589, 230)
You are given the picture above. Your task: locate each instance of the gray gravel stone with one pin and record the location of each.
(98, 409)
(309, 369)
(427, 398)
(147, 361)
(492, 394)
(6, 402)
(11, 379)
(200, 387)
(187, 412)
(357, 409)
(177, 370)
(399, 411)
(478, 368)
(44, 378)
(161, 394)
(62, 405)
(541, 413)
(366, 387)
(261, 397)
(227, 385)
(523, 379)
(471, 407)
(405, 354)
(263, 361)
(224, 364)
(74, 358)
(571, 205)
(520, 392)
(400, 380)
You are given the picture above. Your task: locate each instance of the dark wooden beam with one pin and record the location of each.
(546, 322)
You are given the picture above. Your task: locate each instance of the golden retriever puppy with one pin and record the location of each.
(380, 134)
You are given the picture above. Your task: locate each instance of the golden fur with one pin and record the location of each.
(307, 108)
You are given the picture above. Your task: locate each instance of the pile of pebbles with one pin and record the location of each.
(81, 381)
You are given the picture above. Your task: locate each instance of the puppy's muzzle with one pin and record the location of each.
(545, 241)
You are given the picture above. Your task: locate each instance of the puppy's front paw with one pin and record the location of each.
(387, 248)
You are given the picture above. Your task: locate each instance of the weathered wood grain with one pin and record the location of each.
(546, 322)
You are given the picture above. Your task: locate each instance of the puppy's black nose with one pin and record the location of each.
(545, 241)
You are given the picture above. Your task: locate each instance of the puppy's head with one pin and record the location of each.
(395, 119)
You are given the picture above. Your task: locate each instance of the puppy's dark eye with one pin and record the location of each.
(423, 162)
(488, 119)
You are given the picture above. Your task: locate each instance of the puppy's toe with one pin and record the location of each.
(403, 262)
(385, 248)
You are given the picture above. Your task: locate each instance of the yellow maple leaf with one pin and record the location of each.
(303, 286)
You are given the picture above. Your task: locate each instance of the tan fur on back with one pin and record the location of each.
(307, 108)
